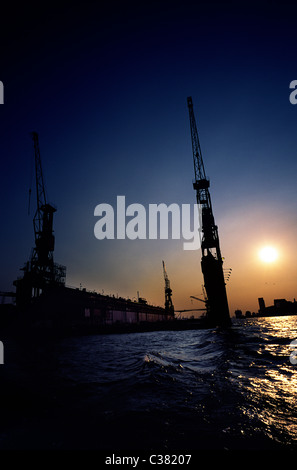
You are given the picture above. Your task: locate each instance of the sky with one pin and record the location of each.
(105, 85)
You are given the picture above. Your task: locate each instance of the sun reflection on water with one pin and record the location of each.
(271, 380)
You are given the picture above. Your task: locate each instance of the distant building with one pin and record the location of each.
(279, 307)
(261, 304)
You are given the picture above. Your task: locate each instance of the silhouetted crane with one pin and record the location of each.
(168, 291)
(40, 271)
(211, 261)
(42, 262)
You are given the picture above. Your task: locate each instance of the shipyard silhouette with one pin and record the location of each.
(44, 299)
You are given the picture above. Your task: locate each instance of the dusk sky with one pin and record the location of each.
(105, 85)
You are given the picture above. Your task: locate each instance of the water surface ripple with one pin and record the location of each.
(203, 389)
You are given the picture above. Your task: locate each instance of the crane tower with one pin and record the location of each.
(40, 271)
(168, 291)
(211, 261)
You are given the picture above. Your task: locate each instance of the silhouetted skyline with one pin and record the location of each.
(106, 90)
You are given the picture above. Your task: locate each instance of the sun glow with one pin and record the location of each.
(268, 254)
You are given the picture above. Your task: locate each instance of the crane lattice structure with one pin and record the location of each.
(40, 271)
(211, 261)
(168, 291)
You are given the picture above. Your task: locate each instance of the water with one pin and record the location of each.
(165, 391)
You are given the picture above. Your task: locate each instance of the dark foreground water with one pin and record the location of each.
(165, 391)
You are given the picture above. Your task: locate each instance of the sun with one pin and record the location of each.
(268, 254)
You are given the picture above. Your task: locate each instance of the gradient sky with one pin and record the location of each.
(105, 85)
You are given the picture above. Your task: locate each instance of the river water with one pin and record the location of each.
(167, 390)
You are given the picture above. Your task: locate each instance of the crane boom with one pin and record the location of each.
(211, 261)
(40, 187)
(197, 298)
(197, 154)
(167, 282)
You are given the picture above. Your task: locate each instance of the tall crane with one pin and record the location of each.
(40, 271)
(168, 291)
(42, 262)
(211, 261)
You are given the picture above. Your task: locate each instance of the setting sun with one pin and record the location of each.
(268, 254)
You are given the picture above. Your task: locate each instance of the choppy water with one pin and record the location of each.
(187, 390)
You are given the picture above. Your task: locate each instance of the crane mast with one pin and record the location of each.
(42, 262)
(211, 261)
(168, 290)
(40, 271)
